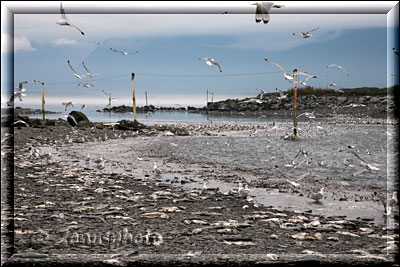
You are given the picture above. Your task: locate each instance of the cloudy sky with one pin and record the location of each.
(169, 45)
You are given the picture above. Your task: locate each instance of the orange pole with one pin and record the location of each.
(133, 96)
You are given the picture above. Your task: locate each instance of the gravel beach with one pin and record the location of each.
(93, 190)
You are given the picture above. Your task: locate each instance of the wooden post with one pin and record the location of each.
(212, 97)
(295, 105)
(43, 116)
(146, 99)
(133, 96)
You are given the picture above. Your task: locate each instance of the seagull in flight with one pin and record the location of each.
(309, 76)
(210, 61)
(288, 76)
(16, 94)
(281, 94)
(98, 42)
(79, 76)
(124, 52)
(67, 104)
(339, 67)
(88, 73)
(330, 84)
(64, 21)
(395, 51)
(262, 11)
(20, 87)
(305, 34)
(87, 85)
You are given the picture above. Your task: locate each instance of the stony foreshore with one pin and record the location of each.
(67, 201)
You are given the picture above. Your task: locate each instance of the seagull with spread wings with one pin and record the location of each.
(339, 67)
(124, 52)
(288, 76)
(65, 22)
(79, 76)
(210, 62)
(88, 73)
(305, 34)
(262, 11)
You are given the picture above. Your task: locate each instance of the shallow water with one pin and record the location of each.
(200, 158)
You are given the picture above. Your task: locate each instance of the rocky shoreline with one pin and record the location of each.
(66, 203)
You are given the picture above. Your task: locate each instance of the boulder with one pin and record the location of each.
(77, 118)
(130, 125)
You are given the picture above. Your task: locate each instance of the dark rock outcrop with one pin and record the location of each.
(130, 125)
(77, 118)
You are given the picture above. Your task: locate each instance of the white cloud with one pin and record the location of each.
(22, 44)
(64, 41)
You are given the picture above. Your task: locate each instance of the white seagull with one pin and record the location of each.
(124, 52)
(79, 76)
(16, 94)
(318, 196)
(67, 104)
(156, 169)
(288, 76)
(210, 61)
(262, 92)
(305, 34)
(281, 94)
(88, 73)
(64, 21)
(262, 11)
(330, 84)
(20, 87)
(309, 76)
(87, 85)
(339, 67)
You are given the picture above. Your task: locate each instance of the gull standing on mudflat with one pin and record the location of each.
(210, 61)
(339, 67)
(318, 196)
(305, 34)
(288, 76)
(88, 73)
(64, 21)
(262, 92)
(79, 76)
(124, 52)
(262, 11)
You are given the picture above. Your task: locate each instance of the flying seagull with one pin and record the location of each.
(124, 52)
(98, 42)
(79, 76)
(64, 21)
(16, 94)
(87, 85)
(88, 73)
(262, 11)
(20, 87)
(305, 34)
(210, 61)
(395, 51)
(281, 94)
(67, 104)
(288, 76)
(330, 84)
(339, 67)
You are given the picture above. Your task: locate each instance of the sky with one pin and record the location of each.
(167, 65)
